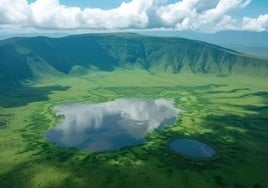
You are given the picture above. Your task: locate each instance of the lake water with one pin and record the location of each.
(111, 125)
(192, 148)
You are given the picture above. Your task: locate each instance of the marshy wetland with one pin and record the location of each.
(230, 114)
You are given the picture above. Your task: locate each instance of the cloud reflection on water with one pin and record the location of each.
(110, 125)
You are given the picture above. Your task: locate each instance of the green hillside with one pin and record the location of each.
(40, 57)
(223, 96)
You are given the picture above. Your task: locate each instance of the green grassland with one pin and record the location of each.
(228, 113)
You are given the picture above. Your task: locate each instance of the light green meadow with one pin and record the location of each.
(228, 113)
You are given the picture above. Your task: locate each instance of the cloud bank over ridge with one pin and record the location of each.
(197, 15)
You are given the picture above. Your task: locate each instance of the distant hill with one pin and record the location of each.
(33, 58)
(254, 43)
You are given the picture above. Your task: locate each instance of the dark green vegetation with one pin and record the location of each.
(223, 95)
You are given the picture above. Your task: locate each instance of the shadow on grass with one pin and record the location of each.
(25, 95)
(240, 142)
(119, 169)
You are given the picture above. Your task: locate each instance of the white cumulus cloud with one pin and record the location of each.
(255, 24)
(136, 14)
(226, 23)
(50, 14)
(15, 12)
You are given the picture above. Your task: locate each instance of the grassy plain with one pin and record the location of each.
(228, 113)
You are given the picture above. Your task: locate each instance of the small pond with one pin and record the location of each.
(192, 148)
(111, 125)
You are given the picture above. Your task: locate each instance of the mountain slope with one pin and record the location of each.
(39, 57)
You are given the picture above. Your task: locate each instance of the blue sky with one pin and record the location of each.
(255, 8)
(103, 4)
(90, 15)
